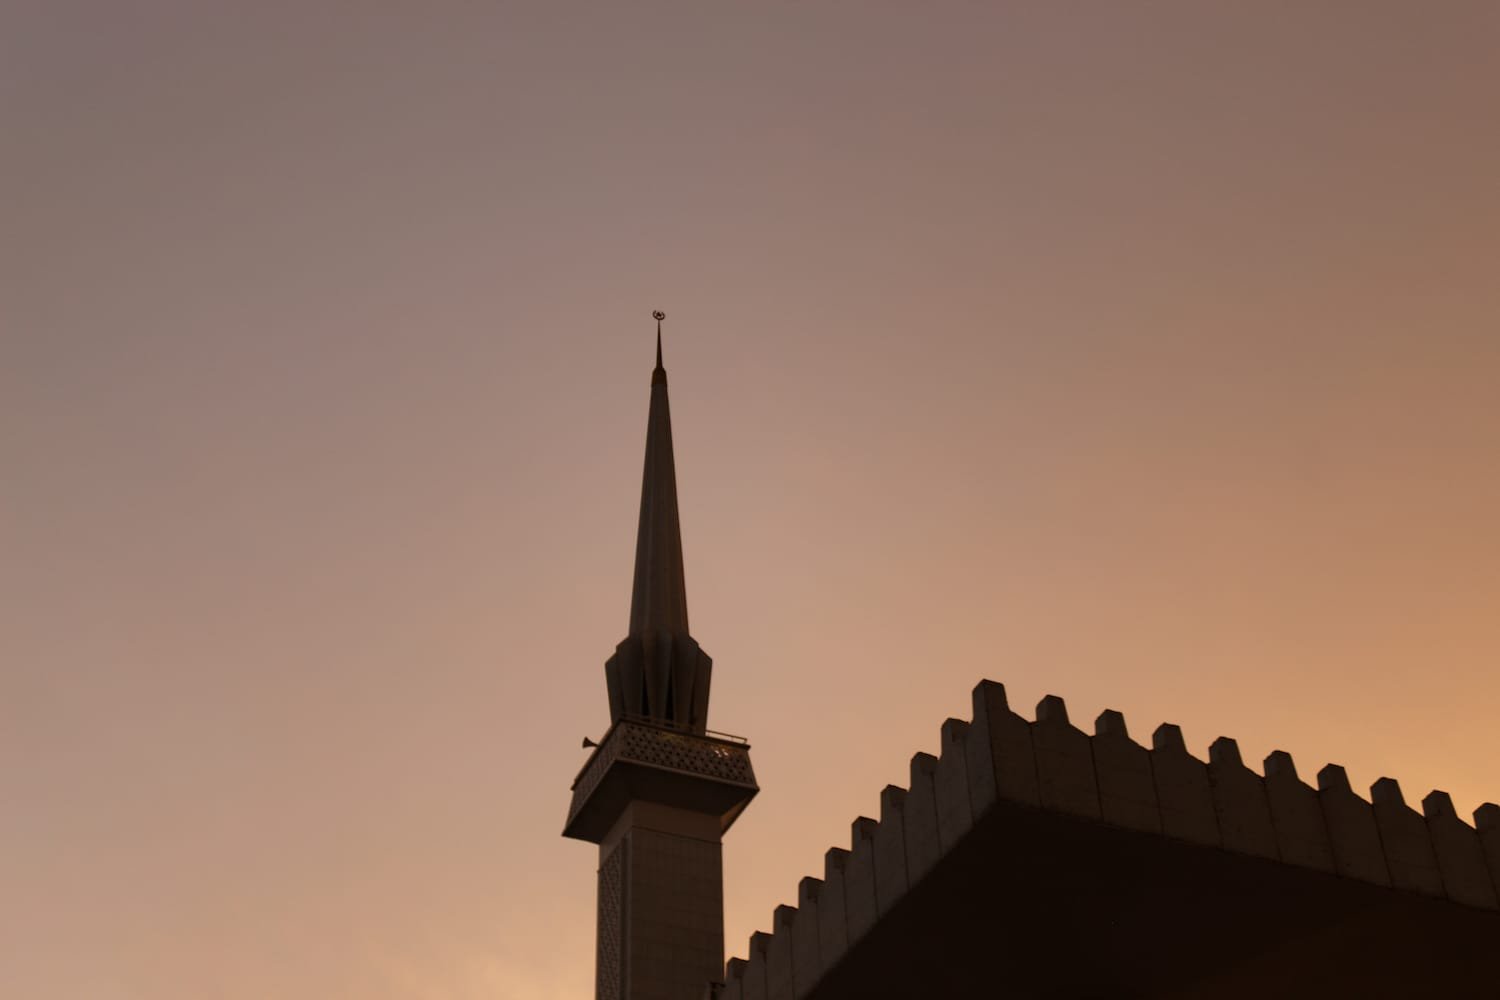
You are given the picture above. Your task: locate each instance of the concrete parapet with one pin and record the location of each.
(954, 812)
(779, 954)
(1403, 834)
(1182, 789)
(1127, 792)
(753, 983)
(833, 927)
(1487, 824)
(860, 909)
(1001, 761)
(1460, 859)
(1109, 777)
(1064, 761)
(1240, 801)
(1301, 832)
(807, 963)
(890, 849)
(923, 843)
(1352, 834)
(734, 980)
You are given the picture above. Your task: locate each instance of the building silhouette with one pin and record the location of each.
(1027, 859)
(660, 789)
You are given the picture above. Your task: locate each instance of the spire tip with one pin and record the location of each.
(658, 315)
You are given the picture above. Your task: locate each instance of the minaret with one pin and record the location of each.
(660, 789)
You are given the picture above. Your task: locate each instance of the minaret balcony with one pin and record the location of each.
(643, 761)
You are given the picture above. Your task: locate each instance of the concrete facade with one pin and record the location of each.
(1240, 802)
(1487, 823)
(1182, 789)
(1235, 882)
(1127, 792)
(1064, 762)
(1301, 831)
(779, 981)
(890, 849)
(955, 813)
(807, 961)
(860, 909)
(1404, 837)
(923, 842)
(755, 981)
(1460, 858)
(1352, 834)
(670, 922)
(1002, 761)
(833, 925)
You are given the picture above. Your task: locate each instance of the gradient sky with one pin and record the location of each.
(1147, 354)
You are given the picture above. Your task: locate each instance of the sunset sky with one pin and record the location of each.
(1143, 353)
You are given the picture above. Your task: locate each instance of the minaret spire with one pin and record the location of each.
(660, 789)
(658, 601)
(659, 316)
(658, 671)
